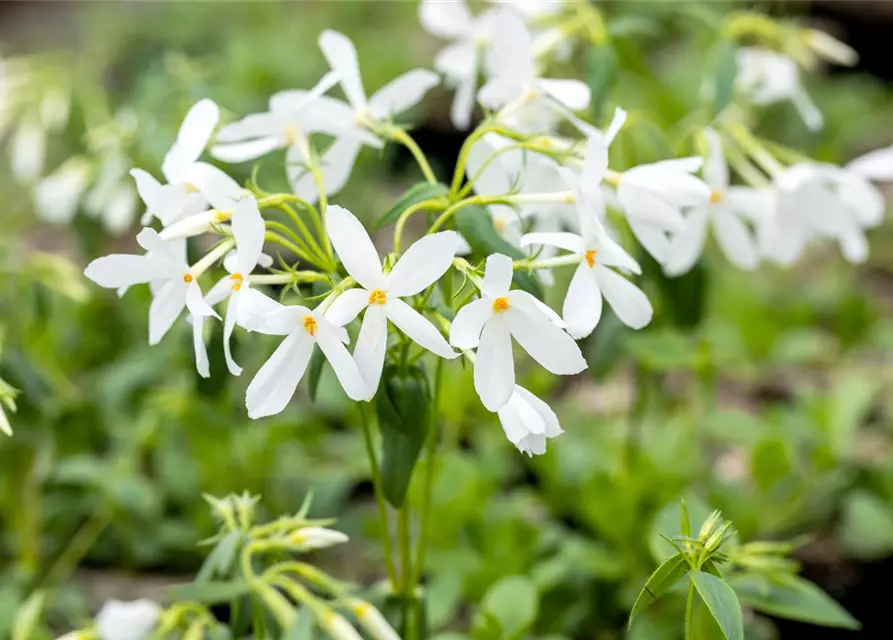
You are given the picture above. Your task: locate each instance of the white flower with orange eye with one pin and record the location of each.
(725, 213)
(380, 294)
(178, 198)
(276, 381)
(594, 278)
(490, 323)
(528, 422)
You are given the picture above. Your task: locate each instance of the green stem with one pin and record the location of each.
(401, 221)
(78, 547)
(379, 497)
(428, 478)
(690, 612)
(404, 541)
(399, 135)
(272, 236)
(462, 160)
(320, 220)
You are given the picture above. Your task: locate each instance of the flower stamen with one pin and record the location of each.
(310, 325)
(717, 196)
(500, 305)
(590, 257)
(377, 296)
(187, 278)
(237, 280)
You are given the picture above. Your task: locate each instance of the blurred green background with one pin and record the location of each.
(115, 442)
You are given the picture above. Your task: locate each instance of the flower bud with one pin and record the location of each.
(317, 538)
(372, 621)
(338, 627)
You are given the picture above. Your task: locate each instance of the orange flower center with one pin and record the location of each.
(377, 296)
(717, 196)
(500, 305)
(590, 257)
(187, 277)
(237, 280)
(499, 225)
(310, 325)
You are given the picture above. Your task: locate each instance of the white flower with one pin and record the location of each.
(119, 620)
(593, 278)
(770, 77)
(215, 188)
(162, 265)
(245, 304)
(112, 198)
(724, 212)
(528, 422)
(28, 150)
(876, 165)
(56, 196)
(317, 538)
(351, 123)
(513, 77)
(460, 60)
(380, 295)
(178, 198)
(492, 321)
(276, 382)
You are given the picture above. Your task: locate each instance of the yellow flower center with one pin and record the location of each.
(187, 278)
(590, 257)
(222, 215)
(237, 280)
(377, 296)
(191, 188)
(500, 305)
(291, 135)
(499, 225)
(717, 196)
(310, 325)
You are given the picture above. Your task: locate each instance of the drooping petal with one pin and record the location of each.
(248, 150)
(688, 245)
(276, 381)
(196, 130)
(854, 246)
(341, 55)
(497, 275)
(812, 117)
(582, 308)
(166, 307)
(654, 241)
(494, 369)
(148, 188)
(354, 247)
(735, 240)
(463, 102)
(630, 305)
(446, 20)
(403, 92)
(198, 346)
(617, 122)
(248, 231)
(347, 306)
(595, 162)
(550, 421)
(122, 270)
(649, 208)
(195, 301)
(422, 264)
(716, 171)
(561, 239)
(418, 328)
(371, 345)
(329, 339)
(876, 165)
(573, 94)
(220, 190)
(465, 332)
(554, 349)
(229, 323)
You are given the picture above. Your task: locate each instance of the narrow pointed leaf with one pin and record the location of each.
(664, 577)
(793, 598)
(415, 194)
(722, 603)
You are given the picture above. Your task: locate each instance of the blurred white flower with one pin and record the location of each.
(769, 77)
(56, 196)
(490, 323)
(112, 198)
(317, 538)
(28, 150)
(277, 380)
(119, 620)
(725, 212)
(876, 165)
(216, 189)
(372, 621)
(528, 422)
(380, 295)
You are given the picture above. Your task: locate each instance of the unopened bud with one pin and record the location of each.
(709, 525)
(372, 621)
(317, 538)
(338, 627)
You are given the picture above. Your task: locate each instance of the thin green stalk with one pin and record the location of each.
(399, 135)
(283, 229)
(404, 541)
(78, 547)
(302, 226)
(320, 220)
(428, 478)
(462, 160)
(401, 221)
(272, 236)
(690, 612)
(379, 497)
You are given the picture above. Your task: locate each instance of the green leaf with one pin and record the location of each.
(722, 603)
(314, 371)
(602, 74)
(866, 528)
(476, 226)
(769, 463)
(210, 591)
(725, 65)
(415, 194)
(404, 414)
(514, 602)
(793, 598)
(664, 577)
(28, 616)
(221, 558)
(684, 519)
(660, 349)
(666, 525)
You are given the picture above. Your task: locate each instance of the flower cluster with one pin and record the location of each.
(534, 170)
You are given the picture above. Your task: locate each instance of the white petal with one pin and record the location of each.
(716, 171)
(628, 302)
(463, 102)
(418, 328)
(447, 20)
(688, 245)
(550, 421)
(735, 240)
(876, 165)
(530, 304)
(347, 306)
(644, 205)
(248, 231)
(494, 369)
(465, 332)
(195, 301)
(807, 109)
(402, 93)
(754, 204)
(422, 264)
(854, 246)
(341, 55)
(595, 162)
(198, 346)
(119, 620)
(497, 275)
(220, 291)
(28, 152)
(582, 308)
(573, 94)
(276, 381)
(337, 163)
(554, 349)
(248, 150)
(229, 323)
(122, 270)
(196, 130)
(354, 247)
(654, 241)
(221, 191)
(166, 307)
(148, 188)
(371, 345)
(256, 125)
(329, 339)
(617, 122)
(254, 307)
(280, 320)
(561, 239)
(512, 47)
